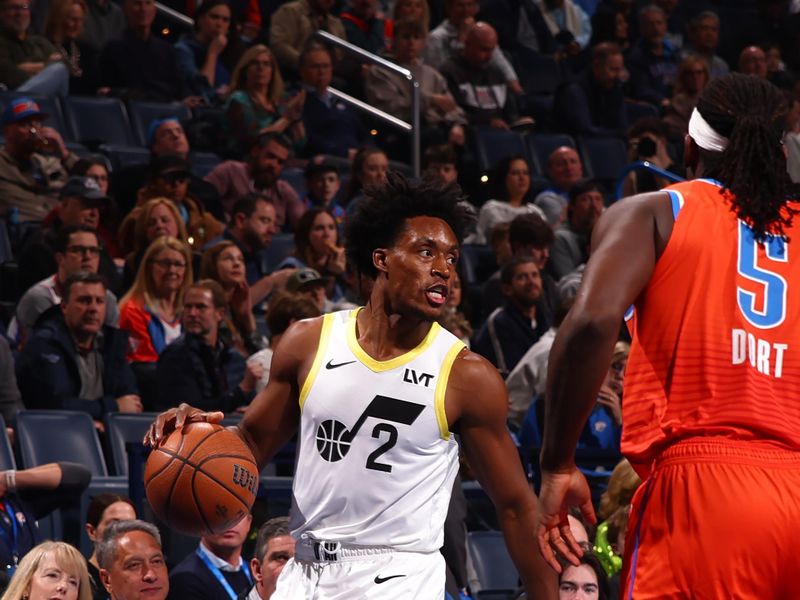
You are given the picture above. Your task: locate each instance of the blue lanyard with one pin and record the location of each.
(218, 574)
(12, 539)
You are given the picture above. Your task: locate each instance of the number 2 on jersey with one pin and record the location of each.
(772, 311)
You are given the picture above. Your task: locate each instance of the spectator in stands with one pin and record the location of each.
(441, 163)
(477, 83)
(223, 263)
(512, 180)
(202, 363)
(594, 103)
(64, 27)
(448, 39)
(529, 236)
(703, 33)
(10, 398)
(417, 10)
(260, 174)
(331, 126)
(653, 60)
(391, 92)
(76, 362)
(206, 58)
(307, 283)
(76, 249)
(322, 185)
(753, 61)
(610, 25)
(153, 219)
(127, 543)
(104, 22)
(363, 26)
(693, 75)
(293, 24)
(647, 140)
(604, 425)
(103, 510)
(370, 167)
(499, 243)
(255, 103)
(564, 169)
(566, 21)
(571, 246)
(316, 245)
(453, 318)
(150, 312)
(29, 63)
(218, 559)
(169, 178)
(50, 570)
(34, 162)
(285, 309)
(140, 66)
(587, 580)
(81, 203)
(97, 167)
(509, 331)
(274, 548)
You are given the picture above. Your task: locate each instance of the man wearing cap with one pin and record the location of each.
(34, 162)
(81, 201)
(28, 63)
(308, 283)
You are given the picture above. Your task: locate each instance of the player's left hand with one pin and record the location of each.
(560, 491)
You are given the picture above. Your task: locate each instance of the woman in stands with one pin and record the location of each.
(256, 103)
(153, 219)
(103, 510)
(64, 27)
(151, 310)
(207, 57)
(512, 181)
(224, 263)
(693, 75)
(50, 570)
(370, 166)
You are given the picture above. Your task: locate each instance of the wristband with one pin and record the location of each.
(11, 480)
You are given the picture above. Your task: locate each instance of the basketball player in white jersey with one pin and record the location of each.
(377, 394)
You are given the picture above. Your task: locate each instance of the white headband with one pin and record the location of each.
(704, 135)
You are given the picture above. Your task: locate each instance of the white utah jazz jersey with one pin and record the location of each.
(376, 461)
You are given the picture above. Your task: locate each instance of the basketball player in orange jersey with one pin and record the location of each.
(377, 393)
(711, 414)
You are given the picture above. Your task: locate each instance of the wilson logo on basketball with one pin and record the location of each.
(244, 478)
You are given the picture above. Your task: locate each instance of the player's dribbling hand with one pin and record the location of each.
(175, 418)
(559, 492)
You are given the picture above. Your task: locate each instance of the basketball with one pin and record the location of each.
(201, 480)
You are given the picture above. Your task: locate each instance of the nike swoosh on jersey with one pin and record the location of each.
(379, 579)
(332, 365)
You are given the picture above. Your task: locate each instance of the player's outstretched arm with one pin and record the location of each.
(477, 399)
(626, 244)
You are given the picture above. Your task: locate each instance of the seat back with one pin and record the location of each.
(47, 436)
(124, 156)
(541, 145)
(296, 178)
(143, 113)
(7, 460)
(96, 121)
(204, 162)
(604, 158)
(281, 246)
(477, 263)
(495, 144)
(491, 560)
(123, 429)
(5, 243)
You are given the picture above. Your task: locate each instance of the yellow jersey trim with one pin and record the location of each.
(385, 365)
(327, 324)
(441, 388)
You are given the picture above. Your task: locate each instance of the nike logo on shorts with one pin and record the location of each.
(379, 579)
(332, 365)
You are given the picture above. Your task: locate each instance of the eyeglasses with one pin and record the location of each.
(166, 263)
(91, 250)
(173, 178)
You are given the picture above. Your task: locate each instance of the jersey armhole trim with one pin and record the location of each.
(441, 388)
(324, 335)
(676, 198)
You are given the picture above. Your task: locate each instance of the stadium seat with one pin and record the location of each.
(5, 243)
(96, 121)
(492, 562)
(143, 113)
(282, 246)
(477, 263)
(541, 145)
(603, 158)
(6, 453)
(296, 178)
(494, 595)
(124, 156)
(494, 145)
(639, 110)
(204, 162)
(123, 429)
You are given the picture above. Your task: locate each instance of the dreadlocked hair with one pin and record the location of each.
(751, 113)
(381, 216)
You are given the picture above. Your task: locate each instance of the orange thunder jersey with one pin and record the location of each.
(716, 333)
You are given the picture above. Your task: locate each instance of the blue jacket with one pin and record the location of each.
(48, 376)
(331, 129)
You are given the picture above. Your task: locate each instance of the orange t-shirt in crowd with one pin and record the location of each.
(716, 333)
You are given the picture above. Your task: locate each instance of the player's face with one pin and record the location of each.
(578, 583)
(50, 581)
(279, 550)
(119, 511)
(419, 268)
(139, 571)
(230, 538)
